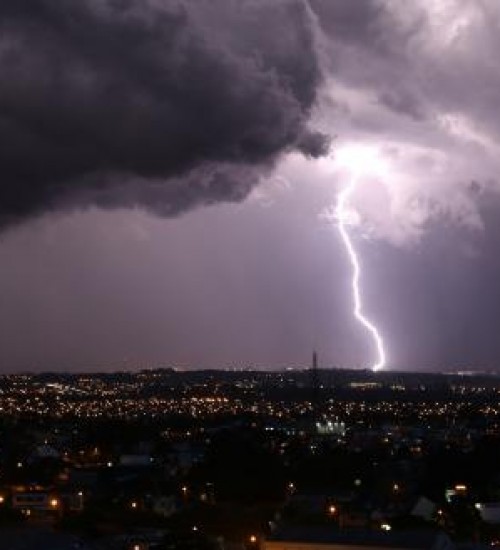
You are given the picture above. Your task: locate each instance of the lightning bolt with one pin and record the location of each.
(343, 221)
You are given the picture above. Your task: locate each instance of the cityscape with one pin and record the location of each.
(246, 459)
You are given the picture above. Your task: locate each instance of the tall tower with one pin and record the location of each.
(315, 397)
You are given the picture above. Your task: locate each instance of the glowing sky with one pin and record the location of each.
(102, 265)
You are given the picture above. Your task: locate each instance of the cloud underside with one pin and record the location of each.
(165, 105)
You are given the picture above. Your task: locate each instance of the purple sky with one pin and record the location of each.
(167, 188)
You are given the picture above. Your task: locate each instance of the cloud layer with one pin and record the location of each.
(417, 82)
(181, 102)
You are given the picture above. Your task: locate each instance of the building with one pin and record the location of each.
(36, 503)
(326, 538)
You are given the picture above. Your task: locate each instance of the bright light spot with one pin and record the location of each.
(385, 527)
(332, 510)
(2, 499)
(361, 160)
(253, 539)
(133, 504)
(54, 503)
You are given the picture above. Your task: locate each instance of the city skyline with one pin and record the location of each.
(170, 174)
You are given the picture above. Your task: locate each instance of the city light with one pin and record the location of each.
(386, 422)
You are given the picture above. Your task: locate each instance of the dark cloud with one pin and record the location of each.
(180, 100)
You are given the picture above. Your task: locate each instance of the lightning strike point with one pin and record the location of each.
(343, 221)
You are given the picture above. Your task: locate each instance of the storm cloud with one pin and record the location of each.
(165, 105)
(170, 104)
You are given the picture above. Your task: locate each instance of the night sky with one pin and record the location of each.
(169, 174)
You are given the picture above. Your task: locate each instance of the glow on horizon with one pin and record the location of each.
(358, 159)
